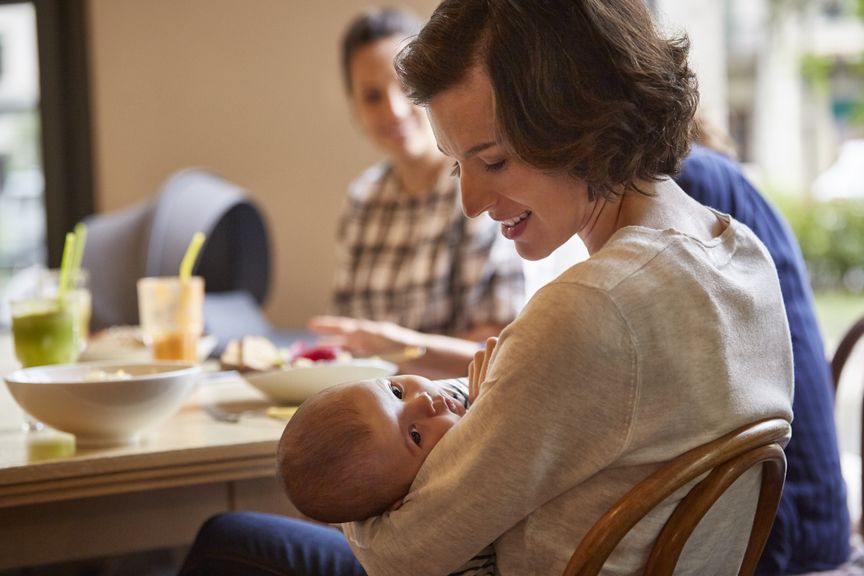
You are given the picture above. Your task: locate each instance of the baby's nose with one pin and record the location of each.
(425, 404)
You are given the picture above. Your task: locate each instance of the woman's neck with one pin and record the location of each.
(608, 216)
(420, 174)
(666, 206)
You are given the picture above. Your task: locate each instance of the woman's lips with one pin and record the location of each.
(512, 228)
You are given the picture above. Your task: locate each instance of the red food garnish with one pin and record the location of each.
(319, 353)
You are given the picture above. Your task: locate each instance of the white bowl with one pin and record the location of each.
(294, 385)
(97, 402)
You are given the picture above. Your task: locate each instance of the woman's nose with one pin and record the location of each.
(475, 198)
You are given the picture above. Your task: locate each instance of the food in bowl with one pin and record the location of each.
(259, 354)
(293, 384)
(302, 355)
(103, 403)
(251, 353)
(102, 376)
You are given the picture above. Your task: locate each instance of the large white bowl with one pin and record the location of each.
(110, 410)
(294, 385)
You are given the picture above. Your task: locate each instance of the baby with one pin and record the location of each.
(352, 451)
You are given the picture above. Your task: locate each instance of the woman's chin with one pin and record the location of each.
(528, 251)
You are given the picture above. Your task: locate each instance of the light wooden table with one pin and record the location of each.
(156, 494)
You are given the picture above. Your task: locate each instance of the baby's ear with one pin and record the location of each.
(396, 505)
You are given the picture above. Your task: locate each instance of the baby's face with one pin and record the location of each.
(408, 416)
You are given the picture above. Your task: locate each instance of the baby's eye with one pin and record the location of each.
(415, 436)
(456, 172)
(397, 391)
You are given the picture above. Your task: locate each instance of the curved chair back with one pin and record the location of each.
(236, 253)
(844, 350)
(838, 363)
(149, 239)
(114, 256)
(724, 460)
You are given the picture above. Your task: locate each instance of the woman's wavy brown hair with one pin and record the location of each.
(586, 86)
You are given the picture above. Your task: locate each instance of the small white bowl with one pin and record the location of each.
(103, 403)
(294, 385)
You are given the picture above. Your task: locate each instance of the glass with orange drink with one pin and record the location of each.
(171, 313)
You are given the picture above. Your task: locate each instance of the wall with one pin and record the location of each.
(250, 89)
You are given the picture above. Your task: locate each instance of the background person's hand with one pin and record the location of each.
(361, 337)
(478, 367)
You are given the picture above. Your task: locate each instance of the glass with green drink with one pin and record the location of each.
(46, 330)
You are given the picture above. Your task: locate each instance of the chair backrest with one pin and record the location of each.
(114, 256)
(724, 460)
(844, 350)
(149, 239)
(236, 254)
(838, 362)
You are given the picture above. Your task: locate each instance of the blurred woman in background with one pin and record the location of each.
(411, 268)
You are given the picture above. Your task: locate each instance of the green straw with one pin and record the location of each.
(78, 255)
(191, 255)
(65, 264)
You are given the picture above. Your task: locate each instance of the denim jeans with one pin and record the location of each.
(253, 544)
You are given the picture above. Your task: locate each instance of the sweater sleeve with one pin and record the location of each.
(534, 433)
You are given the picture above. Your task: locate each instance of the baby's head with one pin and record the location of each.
(352, 451)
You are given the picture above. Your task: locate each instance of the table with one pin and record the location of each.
(156, 494)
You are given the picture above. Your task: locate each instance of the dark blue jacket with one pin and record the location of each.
(811, 531)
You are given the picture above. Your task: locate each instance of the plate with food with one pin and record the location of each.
(289, 376)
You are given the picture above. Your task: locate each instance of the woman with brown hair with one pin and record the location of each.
(567, 117)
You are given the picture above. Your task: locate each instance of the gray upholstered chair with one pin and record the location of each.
(149, 239)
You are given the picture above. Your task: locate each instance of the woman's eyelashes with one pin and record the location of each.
(397, 391)
(493, 167)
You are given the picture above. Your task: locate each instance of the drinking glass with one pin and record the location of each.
(171, 313)
(45, 330)
(48, 284)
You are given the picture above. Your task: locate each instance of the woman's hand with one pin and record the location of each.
(478, 367)
(361, 337)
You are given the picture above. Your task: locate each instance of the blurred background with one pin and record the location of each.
(102, 100)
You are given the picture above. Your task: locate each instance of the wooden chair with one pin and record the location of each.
(725, 459)
(838, 362)
(844, 350)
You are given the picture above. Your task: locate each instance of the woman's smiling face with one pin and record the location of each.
(538, 210)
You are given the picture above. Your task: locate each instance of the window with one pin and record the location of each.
(22, 209)
(45, 154)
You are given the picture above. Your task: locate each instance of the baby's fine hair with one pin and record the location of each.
(326, 462)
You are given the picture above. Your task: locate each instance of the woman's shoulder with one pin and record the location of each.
(628, 251)
(637, 259)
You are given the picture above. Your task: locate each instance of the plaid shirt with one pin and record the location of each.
(418, 262)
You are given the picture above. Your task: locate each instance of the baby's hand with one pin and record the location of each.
(477, 368)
